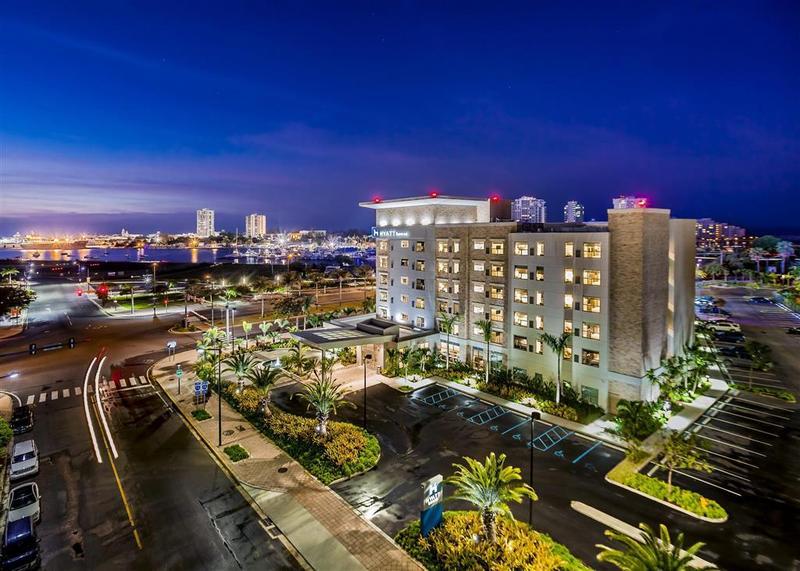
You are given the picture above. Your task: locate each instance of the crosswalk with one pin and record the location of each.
(105, 387)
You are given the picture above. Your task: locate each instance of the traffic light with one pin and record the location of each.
(71, 343)
(32, 348)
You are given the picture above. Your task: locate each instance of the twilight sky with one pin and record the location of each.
(135, 114)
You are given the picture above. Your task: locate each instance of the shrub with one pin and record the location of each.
(781, 394)
(236, 453)
(636, 420)
(562, 410)
(5, 435)
(686, 499)
(200, 414)
(247, 400)
(451, 546)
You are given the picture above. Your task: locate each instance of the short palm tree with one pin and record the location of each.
(368, 305)
(306, 303)
(324, 395)
(213, 337)
(653, 553)
(447, 322)
(264, 379)
(9, 273)
(297, 361)
(247, 327)
(489, 486)
(241, 365)
(557, 345)
(281, 324)
(485, 327)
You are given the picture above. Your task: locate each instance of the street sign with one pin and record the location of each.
(198, 387)
(32, 348)
(179, 372)
(432, 498)
(172, 344)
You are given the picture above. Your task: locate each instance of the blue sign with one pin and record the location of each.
(198, 387)
(432, 504)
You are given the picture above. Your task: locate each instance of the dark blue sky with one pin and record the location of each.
(137, 113)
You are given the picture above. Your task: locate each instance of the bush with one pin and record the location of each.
(5, 436)
(247, 400)
(200, 414)
(236, 453)
(562, 410)
(781, 394)
(636, 420)
(688, 500)
(451, 546)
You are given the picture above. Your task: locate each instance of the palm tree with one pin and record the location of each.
(785, 251)
(682, 452)
(126, 289)
(653, 553)
(281, 324)
(324, 395)
(489, 486)
(756, 255)
(306, 303)
(557, 345)
(264, 379)
(297, 361)
(759, 357)
(447, 323)
(264, 328)
(485, 327)
(229, 294)
(368, 305)
(240, 364)
(247, 327)
(213, 336)
(9, 273)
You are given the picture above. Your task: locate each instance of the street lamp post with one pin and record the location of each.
(365, 389)
(535, 415)
(154, 290)
(185, 304)
(219, 392)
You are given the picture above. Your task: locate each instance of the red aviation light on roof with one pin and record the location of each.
(641, 203)
(434, 194)
(495, 198)
(377, 199)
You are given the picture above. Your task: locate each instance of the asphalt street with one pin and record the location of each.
(187, 512)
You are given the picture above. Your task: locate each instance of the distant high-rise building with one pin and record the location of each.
(713, 235)
(622, 202)
(528, 209)
(205, 222)
(255, 225)
(573, 211)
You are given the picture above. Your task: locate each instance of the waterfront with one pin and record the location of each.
(178, 255)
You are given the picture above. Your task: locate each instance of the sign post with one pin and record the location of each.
(171, 347)
(179, 374)
(432, 508)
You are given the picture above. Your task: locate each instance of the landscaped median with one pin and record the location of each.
(347, 450)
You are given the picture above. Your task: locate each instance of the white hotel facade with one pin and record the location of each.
(624, 287)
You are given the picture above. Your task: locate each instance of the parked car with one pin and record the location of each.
(704, 298)
(24, 501)
(793, 331)
(759, 299)
(22, 419)
(713, 310)
(734, 351)
(24, 460)
(704, 303)
(729, 337)
(725, 326)
(20, 546)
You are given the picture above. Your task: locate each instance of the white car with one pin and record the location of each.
(725, 326)
(24, 460)
(24, 502)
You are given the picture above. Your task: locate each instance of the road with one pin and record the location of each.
(188, 514)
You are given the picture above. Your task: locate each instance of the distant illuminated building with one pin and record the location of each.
(573, 212)
(255, 225)
(622, 202)
(713, 235)
(205, 223)
(528, 209)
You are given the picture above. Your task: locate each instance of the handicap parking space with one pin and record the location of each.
(738, 434)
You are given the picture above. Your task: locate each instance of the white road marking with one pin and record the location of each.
(102, 411)
(741, 426)
(730, 459)
(123, 383)
(54, 395)
(65, 393)
(736, 434)
(77, 391)
(143, 381)
(756, 411)
(712, 484)
(86, 412)
(132, 381)
(729, 445)
(42, 397)
(30, 399)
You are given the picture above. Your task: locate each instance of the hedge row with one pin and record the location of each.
(688, 500)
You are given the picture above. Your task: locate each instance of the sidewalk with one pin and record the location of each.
(324, 529)
(8, 330)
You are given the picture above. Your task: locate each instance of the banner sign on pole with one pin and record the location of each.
(432, 504)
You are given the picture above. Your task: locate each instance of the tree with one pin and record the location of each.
(368, 305)
(767, 242)
(489, 486)
(247, 327)
(15, 298)
(264, 379)
(9, 273)
(759, 358)
(297, 361)
(485, 327)
(785, 250)
(636, 420)
(306, 303)
(652, 553)
(447, 323)
(713, 269)
(557, 345)
(325, 396)
(756, 255)
(682, 452)
(240, 364)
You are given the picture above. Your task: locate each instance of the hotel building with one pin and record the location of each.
(529, 209)
(624, 287)
(255, 225)
(573, 211)
(205, 223)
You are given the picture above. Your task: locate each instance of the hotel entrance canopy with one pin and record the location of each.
(356, 331)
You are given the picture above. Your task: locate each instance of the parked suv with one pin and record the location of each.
(24, 460)
(20, 546)
(24, 502)
(729, 337)
(22, 420)
(725, 326)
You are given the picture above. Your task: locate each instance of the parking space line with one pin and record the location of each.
(724, 489)
(65, 393)
(54, 395)
(487, 415)
(736, 434)
(729, 445)
(758, 411)
(77, 391)
(515, 426)
(30, 400)
(42, 397)
(585, 452)
(730, 459)
(715, 417)
(716, 468)
(763, 405)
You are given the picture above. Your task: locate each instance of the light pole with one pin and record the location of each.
(154, 290)
(365, 388)
(185, 304)
(219, 392)
(535, 415)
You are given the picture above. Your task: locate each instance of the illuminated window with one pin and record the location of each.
(456, 287)
(539, 274)
(521, 272)
(521, 248)
(568, 326)
(419, 303)
(568, 301)
(520, 342)
(442, 306)
(591, 249)
(478, 287)
(383, 246)
(404, 243)
(569, 249)
(591, 358)
(419, 322)
(383, 262)
(498, 270)
(383, 295)
(419, 265)
(567, 353)
(456, 246)
(539, 322)
(496, 292)
(419, 246)
(478, 244)
(441, 286)
(520, 318)
(403, 317)
(419, 284)
(403, 298)
(477, 308)
(539, 347)
(442, 267)
(591, 304)
(497, 338)
(520, 295)
(478, 266)
(441, 246)
(403, 262)
(540, 248)
(383, 312)
(498, 248)
(496, 313)
(539, 298)
(383, 279)
(590, 330)
(591, 277)
(403, 280)
(569, 276)
(456, 267)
